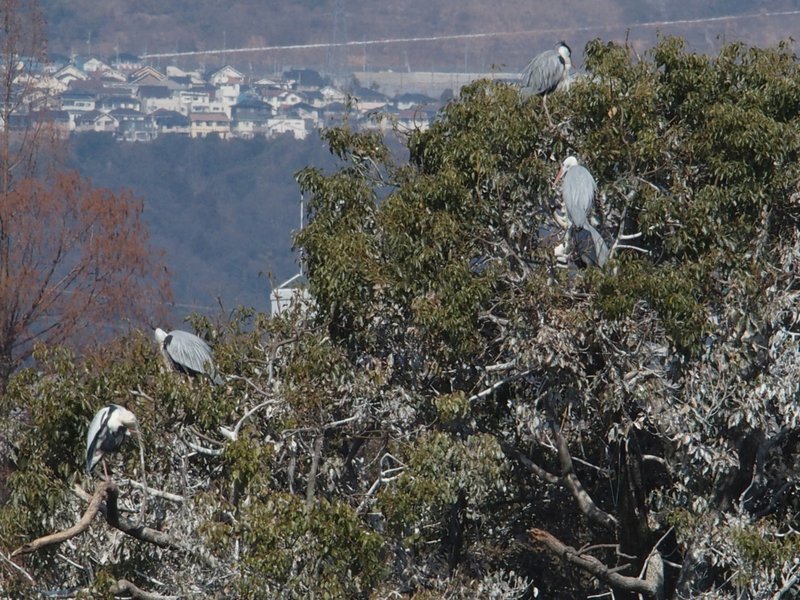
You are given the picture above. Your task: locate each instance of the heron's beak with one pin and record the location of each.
(559, 176)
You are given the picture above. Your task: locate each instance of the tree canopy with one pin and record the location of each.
(459, 415)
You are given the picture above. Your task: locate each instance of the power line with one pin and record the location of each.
(465, 36)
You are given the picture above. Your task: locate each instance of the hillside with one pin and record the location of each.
(223, 212)
(84, 27)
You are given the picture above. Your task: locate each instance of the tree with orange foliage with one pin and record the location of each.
(74, 259)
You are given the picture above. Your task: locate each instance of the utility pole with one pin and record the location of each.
(337, 54)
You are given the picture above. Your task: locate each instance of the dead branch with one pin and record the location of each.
(123, 587)
(100, 495)
(651, 586)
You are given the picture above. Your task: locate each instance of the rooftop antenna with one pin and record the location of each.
(302, 224)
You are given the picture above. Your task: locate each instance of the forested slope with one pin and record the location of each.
(223, 212)
(459, 416)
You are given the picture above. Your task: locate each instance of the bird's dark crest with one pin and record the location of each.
(563, 43)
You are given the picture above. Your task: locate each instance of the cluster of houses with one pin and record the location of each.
(138, 102)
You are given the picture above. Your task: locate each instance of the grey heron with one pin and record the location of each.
(591, 246)
(186, 353)
(545, 72)
(108, 429)
(577, 191)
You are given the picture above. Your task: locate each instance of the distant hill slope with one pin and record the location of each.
(222, 211)
(148, 26)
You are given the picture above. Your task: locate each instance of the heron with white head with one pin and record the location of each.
(185, 352)
(108, 429)
(545, 73)
(577, 191)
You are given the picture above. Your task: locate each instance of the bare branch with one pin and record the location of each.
(526, 462)
(233, 434)
(154, 492)
(312, 474)
(649, 587)
(585, 502)
(100, 495)
(123, 587)
(497, 385)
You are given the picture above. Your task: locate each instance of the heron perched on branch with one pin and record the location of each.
(545, 72)
(186, 353)
(108, 429)
(591, 246)
(577, 191)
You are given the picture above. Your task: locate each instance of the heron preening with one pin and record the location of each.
(186, 353)
(107, 431)
(545, 72)
(577, 191)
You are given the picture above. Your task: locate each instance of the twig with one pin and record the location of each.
(154, 492)
(498, 384)
(27, 575)
(203, 450)
(233, 434)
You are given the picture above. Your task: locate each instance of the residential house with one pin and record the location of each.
(154, 97)
(285, 100)
(414, 119)
(147, 75)
(70, 73)
(169, 122)
(203, 124)
(334, 112)
(194, 100)
(266, 82)
(368, 100)
(292, 292)
(315, 99)
(95, 65)
(109, 103)
(331, 94)
(304, 79)
(225, 75)
(250, 116)
(94, 120)
(283, 124)
(227, 93)
(134, 126)
(55, 62)
(78, 101)
(408, 101)
(304, 111)
(55, 121)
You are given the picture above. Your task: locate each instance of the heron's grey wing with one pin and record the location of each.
(542, 74)
(578, 192)
(95, 436)
(598, 248)
(190, 352)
